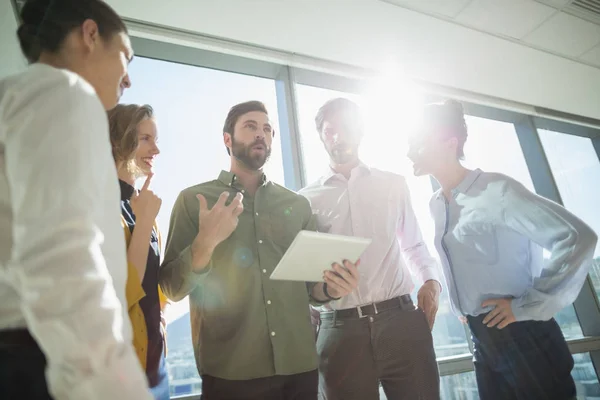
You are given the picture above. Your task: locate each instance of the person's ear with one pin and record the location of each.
(90, 34)
(228, 140)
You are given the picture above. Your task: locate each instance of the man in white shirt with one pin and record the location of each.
(375, 334)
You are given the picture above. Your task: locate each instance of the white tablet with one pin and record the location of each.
(311, 253)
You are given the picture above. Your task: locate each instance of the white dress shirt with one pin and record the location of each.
(61, 242)
(374, 204)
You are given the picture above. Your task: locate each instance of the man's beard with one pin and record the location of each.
(244, 154)
(342, 153)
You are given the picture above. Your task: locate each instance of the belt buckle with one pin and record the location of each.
(360, 312)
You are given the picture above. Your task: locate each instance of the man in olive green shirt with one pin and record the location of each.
(252, 336)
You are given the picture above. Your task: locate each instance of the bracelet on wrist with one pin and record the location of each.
(326, 293)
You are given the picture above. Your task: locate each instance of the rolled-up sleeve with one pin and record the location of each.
(57, 267)
(177, 278)
(570, 241)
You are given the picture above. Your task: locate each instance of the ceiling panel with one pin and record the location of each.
(447, 8)
(566, 34)
(592, 56)
(556, 3)
(514, 18)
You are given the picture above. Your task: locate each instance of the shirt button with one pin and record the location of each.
(268, 301)
(243, 191)
(264, 271)
(260, 241)
(272, 333)
(256, 213)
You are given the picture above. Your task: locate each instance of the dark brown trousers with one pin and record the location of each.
(393, 347)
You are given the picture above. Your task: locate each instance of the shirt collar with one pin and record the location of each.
(464, 185)
(228, 178)
(126, 190)
(361, 168)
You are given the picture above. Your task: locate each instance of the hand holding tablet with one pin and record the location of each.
(342, 280)
(311, 253)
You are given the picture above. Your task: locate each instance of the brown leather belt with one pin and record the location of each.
(16, 338)
(404, 303)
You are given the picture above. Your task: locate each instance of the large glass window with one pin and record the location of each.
(585, 377)
(576, 171)
(493, 146)
(191, 104)
(459, 387)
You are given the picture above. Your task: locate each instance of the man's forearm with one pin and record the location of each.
(178, 278)
(201, 252)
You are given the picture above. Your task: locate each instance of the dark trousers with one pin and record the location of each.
(394, 347)
(527, 360)
(280, 387)
(22, 368)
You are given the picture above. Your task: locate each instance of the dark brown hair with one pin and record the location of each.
(123, 121)
(46, 23)
(237, 111)
(450, 117)
(335, 106)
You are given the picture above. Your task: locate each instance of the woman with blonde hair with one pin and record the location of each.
(133, 135)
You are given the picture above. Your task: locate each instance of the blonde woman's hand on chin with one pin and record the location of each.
(146, 204)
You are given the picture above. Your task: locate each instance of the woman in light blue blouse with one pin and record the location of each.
(490, 232)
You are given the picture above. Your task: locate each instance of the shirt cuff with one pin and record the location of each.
(530, 307)
(518, 310)
(186, 258)
(431, 274)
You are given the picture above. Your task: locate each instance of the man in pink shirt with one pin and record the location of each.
(375, 334)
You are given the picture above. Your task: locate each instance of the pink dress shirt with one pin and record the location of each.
(374, 204)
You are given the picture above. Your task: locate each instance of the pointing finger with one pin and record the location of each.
(147, 181)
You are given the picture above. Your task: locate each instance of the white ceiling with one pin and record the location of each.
(555, 26)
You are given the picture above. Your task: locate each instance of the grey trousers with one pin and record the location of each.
(394, 347)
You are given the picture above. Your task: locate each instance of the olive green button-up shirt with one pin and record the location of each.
(244, 325)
